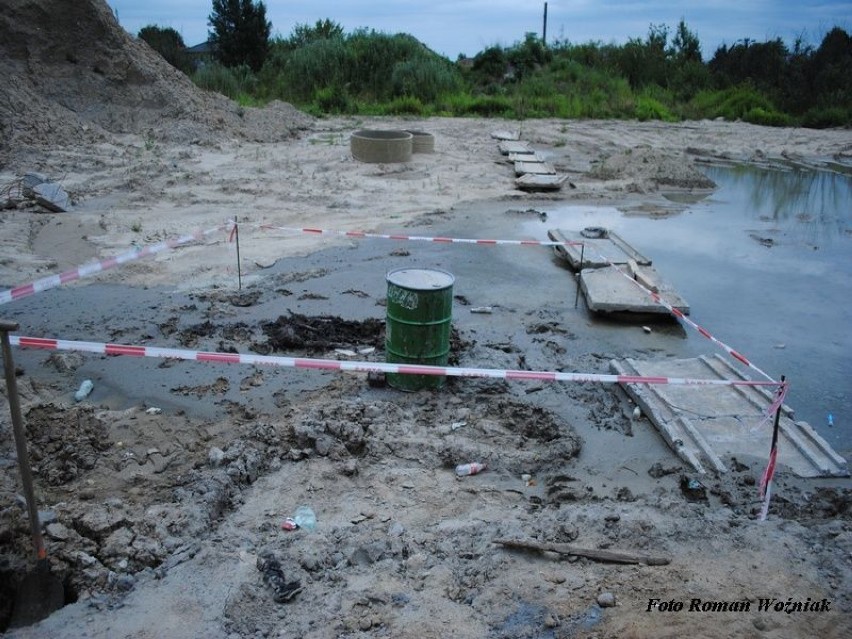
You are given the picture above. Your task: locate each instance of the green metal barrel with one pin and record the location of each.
(420, 308)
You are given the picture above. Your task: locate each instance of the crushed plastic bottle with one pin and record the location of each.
(305, 518)
(469, 469)
(84, 390)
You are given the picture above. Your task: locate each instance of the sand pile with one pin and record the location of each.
(71, 74)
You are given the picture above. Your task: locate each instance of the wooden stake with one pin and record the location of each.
(613, 556)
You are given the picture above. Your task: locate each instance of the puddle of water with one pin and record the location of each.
(765, 266)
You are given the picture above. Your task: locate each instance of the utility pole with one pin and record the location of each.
(544, 28)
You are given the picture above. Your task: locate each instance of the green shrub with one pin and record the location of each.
(406, 105)
(766, 117)
(424, 78)
(648, 108)
(825, 117)
(231, 82)
(333, 99)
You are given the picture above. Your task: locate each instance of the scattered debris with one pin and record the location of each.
(692, 489)
(273, 576)
(84, 390)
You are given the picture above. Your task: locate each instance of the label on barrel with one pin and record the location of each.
(403, 297)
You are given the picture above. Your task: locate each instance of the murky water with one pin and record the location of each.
(766, 266)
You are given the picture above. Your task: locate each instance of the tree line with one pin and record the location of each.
(322, 69)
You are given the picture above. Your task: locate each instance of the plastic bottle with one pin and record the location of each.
(469, 469)
(305, 518)
(830, 419)
(85, 388)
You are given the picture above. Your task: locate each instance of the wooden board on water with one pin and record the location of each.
(598, 252)
(706, 425)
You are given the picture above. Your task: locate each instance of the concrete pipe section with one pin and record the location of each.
(423, 142)
(381, 147)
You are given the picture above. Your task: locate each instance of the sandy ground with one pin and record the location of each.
(168, 524)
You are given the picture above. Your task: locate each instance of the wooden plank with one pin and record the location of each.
(598, 554)
(725, 417)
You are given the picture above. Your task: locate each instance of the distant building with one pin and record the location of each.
(200, 54)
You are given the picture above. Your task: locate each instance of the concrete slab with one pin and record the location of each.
(506, 135)
(510, 146)
(52, 197)
(598, 251)
(533, 167)
(608, 291)
(526, 157)
(533, 182)
(706, 425)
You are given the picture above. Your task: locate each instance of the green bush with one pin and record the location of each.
(424, 78)
(647, 108)
(766, 117)
(333, 99)
(406, 105)
(731, 104)
(231, 82)
(825, 117)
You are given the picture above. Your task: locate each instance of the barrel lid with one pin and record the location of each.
(421, 279)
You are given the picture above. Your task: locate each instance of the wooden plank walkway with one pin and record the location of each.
(707, 425)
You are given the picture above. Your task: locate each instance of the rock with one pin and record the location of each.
(57, 531)
(216, 456)
(117, 544)
(30, 181)
(396, 529)
(606, 600)
(657, 470)
(125, 583)
(52, 197)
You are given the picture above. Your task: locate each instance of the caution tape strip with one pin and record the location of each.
(362, 366)
(417, 238)
(452, 240)
(682, 316)
(87, 270)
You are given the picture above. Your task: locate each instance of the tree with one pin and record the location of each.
(323, 30)
(240, 32)
(169, 44)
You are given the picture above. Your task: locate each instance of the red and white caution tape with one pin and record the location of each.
(681, 316)
(417, 238)
(453, 240)
(52, 281)
(362, 366)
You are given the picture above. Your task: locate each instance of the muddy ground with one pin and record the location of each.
(164, 492)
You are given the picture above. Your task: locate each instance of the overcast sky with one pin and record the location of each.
(468, 26)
